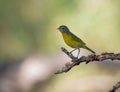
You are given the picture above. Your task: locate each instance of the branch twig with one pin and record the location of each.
(86, 59)
(115, 87)
(91, 58)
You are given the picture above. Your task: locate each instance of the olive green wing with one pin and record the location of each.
(77, 39)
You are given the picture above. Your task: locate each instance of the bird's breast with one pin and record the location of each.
(70, 41)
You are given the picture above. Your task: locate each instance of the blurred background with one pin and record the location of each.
(30, 26)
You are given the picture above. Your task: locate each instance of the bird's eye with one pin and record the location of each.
(63, 28)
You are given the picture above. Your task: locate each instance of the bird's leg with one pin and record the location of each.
(73, 50)
(78, 52)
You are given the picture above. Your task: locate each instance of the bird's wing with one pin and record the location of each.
(77, 39)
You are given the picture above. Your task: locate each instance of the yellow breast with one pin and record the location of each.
(70, 41)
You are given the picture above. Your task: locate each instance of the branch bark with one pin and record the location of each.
(87, 59)
(115, 87)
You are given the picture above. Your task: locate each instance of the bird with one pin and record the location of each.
(72, 40)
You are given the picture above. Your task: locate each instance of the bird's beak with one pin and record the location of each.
(58, 28)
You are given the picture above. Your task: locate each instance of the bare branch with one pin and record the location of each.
(86, 59)
(115, 87)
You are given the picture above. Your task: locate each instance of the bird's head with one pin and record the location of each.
(63, 29)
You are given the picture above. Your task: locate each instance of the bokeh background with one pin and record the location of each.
(30, 26)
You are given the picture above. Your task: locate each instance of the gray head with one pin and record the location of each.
(63, 28)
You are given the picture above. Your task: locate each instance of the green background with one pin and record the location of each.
(29, 26)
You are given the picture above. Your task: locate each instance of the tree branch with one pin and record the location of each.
(86, 59)
(115, 87)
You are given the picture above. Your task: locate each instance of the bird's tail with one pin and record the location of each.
(89, 49)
